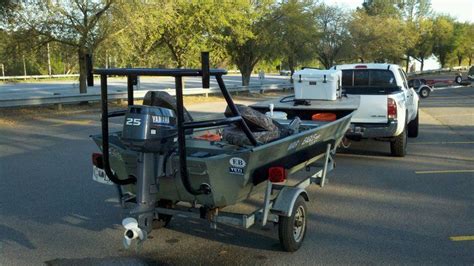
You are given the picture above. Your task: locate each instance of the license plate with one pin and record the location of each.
(99, 175)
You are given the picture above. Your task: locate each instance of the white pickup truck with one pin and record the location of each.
(388, 108)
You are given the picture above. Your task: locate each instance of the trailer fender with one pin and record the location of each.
(283, 204)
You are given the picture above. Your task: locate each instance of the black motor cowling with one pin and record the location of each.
(149, 128)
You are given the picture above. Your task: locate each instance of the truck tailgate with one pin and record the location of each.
(372, 109)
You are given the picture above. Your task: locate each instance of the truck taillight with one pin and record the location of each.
(391, 109)
(361, 67)
(97, 160)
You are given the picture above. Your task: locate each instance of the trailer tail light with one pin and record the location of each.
(276, 174)
(361, 67)
(391, 108)
(97, 160)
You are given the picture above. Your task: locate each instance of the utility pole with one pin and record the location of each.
(24, 66)
(49, 60)
(106, 59)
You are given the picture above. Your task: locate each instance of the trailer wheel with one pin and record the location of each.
(458, 79)
(292, 230)
(425, 92)
(398, 146)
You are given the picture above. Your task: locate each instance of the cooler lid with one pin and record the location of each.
(317, 74)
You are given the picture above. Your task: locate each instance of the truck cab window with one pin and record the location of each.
(382, 78)
(361, 78)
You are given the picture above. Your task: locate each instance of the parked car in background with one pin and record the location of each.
(421, 87)
(469, 77)
(285, 72)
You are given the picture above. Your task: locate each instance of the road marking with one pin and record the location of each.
(442, 142)
(73, 122)
(444, 172)
(461, 238)
(447, 88)
(471, 114)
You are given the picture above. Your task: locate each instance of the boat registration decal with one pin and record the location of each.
(293, 145)
(236, 170)
(310, 140)
(237, 162)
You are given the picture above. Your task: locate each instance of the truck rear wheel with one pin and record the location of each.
(413, 126)
(398, 146)
(291, 230)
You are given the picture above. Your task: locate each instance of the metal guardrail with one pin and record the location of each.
(95, 97)
(39, 77)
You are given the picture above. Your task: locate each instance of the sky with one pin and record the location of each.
(461, 10)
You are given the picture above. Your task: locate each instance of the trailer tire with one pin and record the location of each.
(398, 146)
(292, 229)
(413, 126)
(424, 92)
(458, 79)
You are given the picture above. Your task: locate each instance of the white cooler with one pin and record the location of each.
(314, 84)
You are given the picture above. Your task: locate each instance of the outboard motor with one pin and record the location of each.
(151, 131)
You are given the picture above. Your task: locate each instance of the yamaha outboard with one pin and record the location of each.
(152, 132)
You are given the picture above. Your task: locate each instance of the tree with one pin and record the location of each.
(414, 13)
(137, 42)
(377, 38)
(332, 23)
(443, 39)
(383, 8)
(423, 48)
(79, 24)
(464, 41)
(297, 32)
(247, 35)
(415, 10)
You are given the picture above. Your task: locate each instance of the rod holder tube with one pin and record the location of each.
(183, 166)
(105, 136)
(130, 89)
(235, 111)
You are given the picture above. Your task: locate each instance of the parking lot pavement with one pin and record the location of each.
(376, 209)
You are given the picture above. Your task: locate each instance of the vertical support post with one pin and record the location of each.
(325, 168)
(183, 167)
(106, 59)
(105, 135)
(3, 70)
(49, 59)
(266, 207)
(90, 76)
(205, 70)
(130, 79)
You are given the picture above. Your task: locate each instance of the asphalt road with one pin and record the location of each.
(376, 209)
(48, 88)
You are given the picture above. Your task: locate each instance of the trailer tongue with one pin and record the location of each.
(164, 163)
